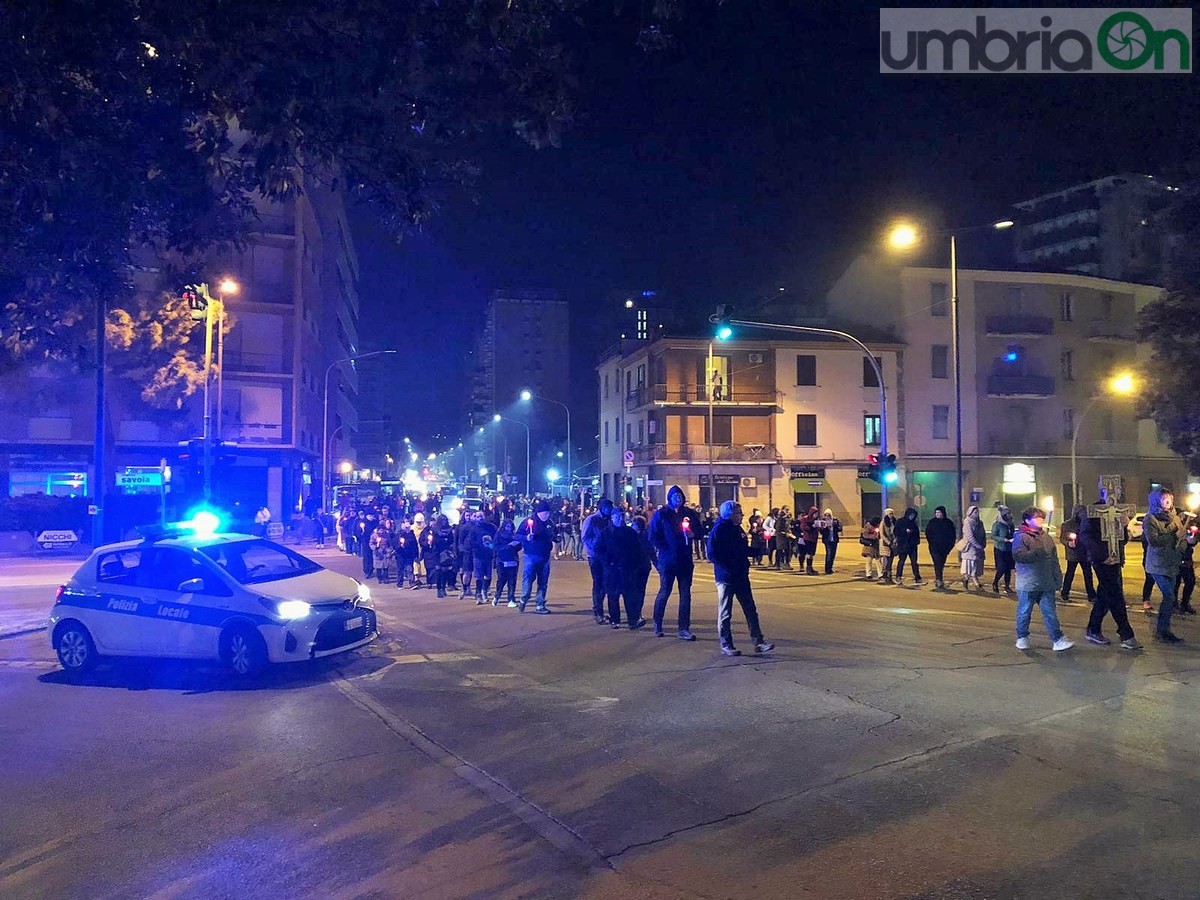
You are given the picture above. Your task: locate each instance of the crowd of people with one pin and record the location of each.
(413, 544)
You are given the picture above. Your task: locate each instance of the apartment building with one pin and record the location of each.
(1036, 353)
(768, 423)
(296, 311)
(1109, 228)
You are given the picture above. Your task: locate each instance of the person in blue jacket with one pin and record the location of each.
(537, 535)
(672, 531)
(619, 548)
(508, 551)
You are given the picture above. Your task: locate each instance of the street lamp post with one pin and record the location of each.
(845, 336)
(325, 474)
(1120, 385)
(499, 418)
(226, 287)
(98, 461)
(529, 395)
(904, 237)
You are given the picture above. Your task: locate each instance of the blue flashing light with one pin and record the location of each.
(648, 293)
(203, 523)
(1011, 356)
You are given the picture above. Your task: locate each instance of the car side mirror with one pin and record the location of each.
(191, 586)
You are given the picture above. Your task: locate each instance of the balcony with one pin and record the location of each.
(1108, 448)
(1111, 332)
(1020, 386)
(695, 396)
(1020, 325)
(698, 453)
(1017, 445)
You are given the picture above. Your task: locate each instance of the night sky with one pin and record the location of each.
(763, 149)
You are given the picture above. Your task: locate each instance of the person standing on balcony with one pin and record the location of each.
(672, 530)
(718, 386)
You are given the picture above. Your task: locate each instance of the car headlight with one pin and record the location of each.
(364, 593)
(288, 609)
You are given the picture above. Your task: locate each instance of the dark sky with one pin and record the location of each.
(764, 148)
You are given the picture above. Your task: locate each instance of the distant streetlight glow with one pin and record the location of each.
(526, 395)
(228, 286)
(496, 417)
(346, 467)
(902, 237)
(552, 475)
(1122, 384)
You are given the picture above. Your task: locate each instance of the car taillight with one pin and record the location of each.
(58, 594)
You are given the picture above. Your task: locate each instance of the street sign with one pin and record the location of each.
(721, 479)
(654, 482)
(57, 540)
(628, 456)
(274, 529)
(145, 478)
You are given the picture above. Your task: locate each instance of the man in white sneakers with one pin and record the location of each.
(1039, 577)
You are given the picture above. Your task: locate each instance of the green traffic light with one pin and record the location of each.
(724, 333)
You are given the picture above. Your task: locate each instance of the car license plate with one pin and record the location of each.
(356, 622)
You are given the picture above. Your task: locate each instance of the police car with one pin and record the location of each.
(192, 593)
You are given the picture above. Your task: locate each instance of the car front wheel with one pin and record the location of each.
(244, 651)
(75, 648)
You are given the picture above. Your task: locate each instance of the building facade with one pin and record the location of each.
(768, 423)
(295, 311)
(1037, 352)
(1109, 228)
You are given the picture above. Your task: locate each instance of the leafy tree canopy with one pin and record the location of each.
(1170, 326)
(128, 124)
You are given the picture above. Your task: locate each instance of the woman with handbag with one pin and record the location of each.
(870, 549)
(971, 548)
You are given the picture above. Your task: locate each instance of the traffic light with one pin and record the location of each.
(883, 468)
(887, 469)
(721, 319)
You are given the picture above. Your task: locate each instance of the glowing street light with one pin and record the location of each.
(905, 236)
(552, 475)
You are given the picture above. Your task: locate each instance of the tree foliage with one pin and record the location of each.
(1170, 326)
(128, 124)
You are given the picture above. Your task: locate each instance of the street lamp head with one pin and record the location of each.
(552, 475)
(480, 429)
(1006, 223)
(432, 456)
(526, 395)
(559, 454)
(346, 467)
(1122, 384)
(228, 286)
(496, 417)
(903, 236)
(407, 441)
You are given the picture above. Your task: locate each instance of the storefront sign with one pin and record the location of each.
(815, 473)
(721, 479)
(57, 540)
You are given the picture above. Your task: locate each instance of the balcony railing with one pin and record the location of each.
(693, 394)
(1111, 331)
(1016, 445)
(697, 453)
(1109, 448)
(1020, 325)
(1020, 386)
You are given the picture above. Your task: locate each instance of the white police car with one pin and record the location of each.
(193, 593)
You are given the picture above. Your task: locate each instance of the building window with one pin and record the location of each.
(1016, 298)
(628, 434)
(1068, 423)
(606, 388)
(869, 378)
(1067, 365)
(606, 434)
(1106, 307)
(939, 299)
(641, 431)
(941, 423)
(939, 361)
(806, 430)
(871, 431)
(1066, 308)
(806, 370)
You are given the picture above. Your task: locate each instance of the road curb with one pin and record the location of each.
(20, 632)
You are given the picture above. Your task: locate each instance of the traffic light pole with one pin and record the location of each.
(808, 329)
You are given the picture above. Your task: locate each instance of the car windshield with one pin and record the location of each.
(256, 562)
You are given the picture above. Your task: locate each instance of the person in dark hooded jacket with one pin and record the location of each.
(908, 539)
(940, 536)
(730, 555)
(672, 530)
(619, 549)
(1110, 595)
(508, 550)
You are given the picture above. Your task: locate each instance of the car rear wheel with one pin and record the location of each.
(243, 650)
(75, 648)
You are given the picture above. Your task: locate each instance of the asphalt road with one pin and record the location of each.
(896, 744)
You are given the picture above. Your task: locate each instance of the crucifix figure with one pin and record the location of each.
(1113, 519)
